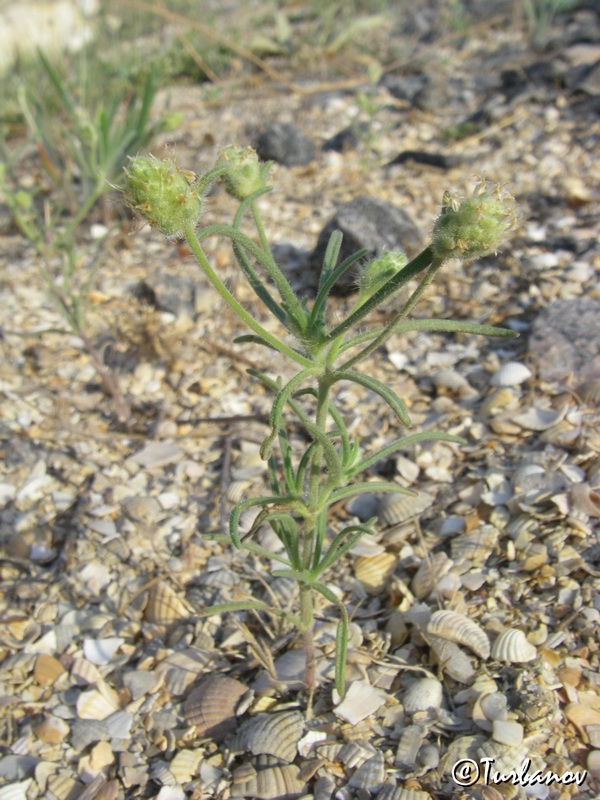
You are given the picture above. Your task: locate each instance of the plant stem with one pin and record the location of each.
(394, 324)
(307, 619)
(190, 237)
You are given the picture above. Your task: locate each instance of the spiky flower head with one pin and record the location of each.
(378, 272)
(243, 173)
(163, 194)
(474, 226)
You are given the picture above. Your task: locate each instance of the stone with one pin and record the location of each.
(565, 340)
(286, 144)
(366, 222)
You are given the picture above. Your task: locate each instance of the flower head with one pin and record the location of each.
(243, 172)
(163, 194)
(378, 272)
(474, 226)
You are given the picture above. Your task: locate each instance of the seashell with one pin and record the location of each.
(407, 469)
(475, 547)
(394, 508)
(589, 391)
(47, 670)
(272, 780)
(86, 731)
(119, 724)
(140, 682)
(460, 629)
(511, 374)
(237, 489)
(455, 382)
(453, 661)
(539, 419)
(308, 742)
(164, 605)
(585, 500)
(211, 706)
(354, 753)
(583, 717)
(273, 734)
(561, 434)
(360, 701)
(512, 646)
(184, 765)
(52, 730)
(508, 732)
(408, 747)
(494, 706)
(100, 651)
(429, 756)
(429, 571)
(391, 791)
(374, 571)
(97, 704)
(16, 791)
(505, 757)
(61, 787)
(503, 398)
(370, 775)
(425, 694)
(324, 788)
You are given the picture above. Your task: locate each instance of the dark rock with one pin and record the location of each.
(565, 339)
(404, 87)
(366, 223)
(286, 144)
(169, 292)
(347, 139)
(431, 159)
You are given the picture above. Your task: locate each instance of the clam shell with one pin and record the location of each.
(184, 765)
(361, 700)
(425, 694)
(539, 419)
(272, 779)
(430, 570)
(374, 571)
(394, 508)
(370, 775)
(511, 374)
(508, 732)
(453, 661)
(47, 670)
(211, 706)
(460, 629)
(273, 734)
(512, 646)
(475, 546)
(409, 746)
(16, 791)
(164, 605)
(96, 704)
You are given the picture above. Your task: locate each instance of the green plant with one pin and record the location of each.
(305, 485)
(83, 143)
(539, 15)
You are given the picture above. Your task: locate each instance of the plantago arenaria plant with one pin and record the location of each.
(304, 488)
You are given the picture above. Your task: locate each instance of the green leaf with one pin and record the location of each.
(390, 397)
(399, 444)
(366, 488)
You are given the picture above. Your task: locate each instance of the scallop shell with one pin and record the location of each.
(409, 746)
(370, 775)
(272, 734)
(512, 646)
(211, 706)
(16, 791)
(271, 780)
(374, 571)
(164, 605)
(511, 374)
(355, 753)
(453, 661)
(460, 629)
(394, 508)
(430, 570)
(425, 694)
(184, 765)
(95, 704)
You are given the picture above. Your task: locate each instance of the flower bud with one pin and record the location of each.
(474, 226)
(243, 173)
(162, 194)
(378, 272)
